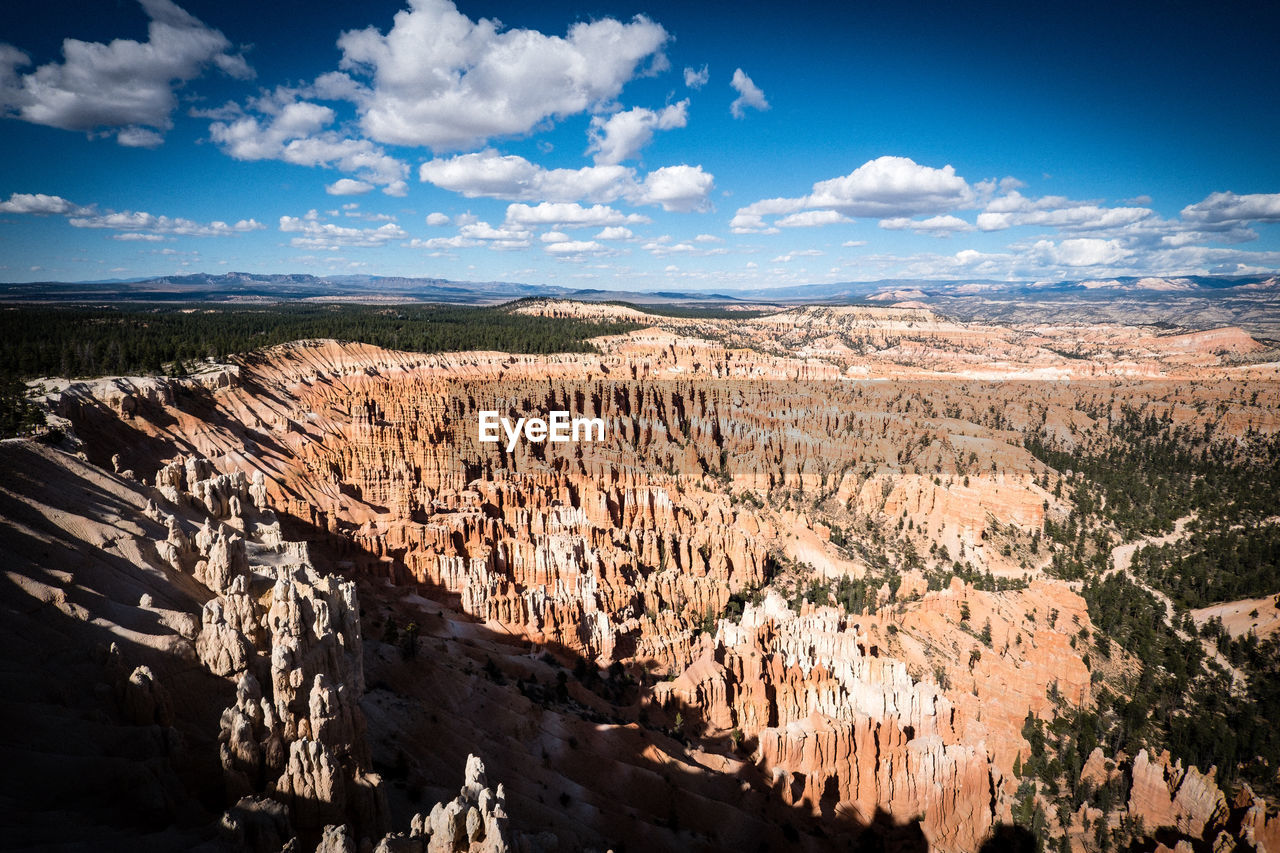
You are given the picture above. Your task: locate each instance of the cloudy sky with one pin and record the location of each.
(691, 145)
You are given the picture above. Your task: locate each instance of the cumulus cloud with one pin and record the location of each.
(621, 136)
(505, 237)
(938, 226)
(125, 88)
(1227, 208)
(679, 188)
(330, 237)
(1014, 209)
(480, 234)
(348, 186)
(799, 253)
(884, 188)
(812, 218)
(749, 95)
(892, 186)
(488, 174)
(298, 132)
(150, 223)
(750, 223)
(142, 225)
(663, 247)
(437, 219)
(615, 232)
(696, 78)
(353, 211)
(135, 237)
(40, 204)
(1080, 252)
(440, 80)
(576, 248)
(750, 219)
(1147, 237)
(569, 215)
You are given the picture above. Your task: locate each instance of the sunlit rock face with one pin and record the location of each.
(325, 496)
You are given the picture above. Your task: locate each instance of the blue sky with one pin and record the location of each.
(638, 145)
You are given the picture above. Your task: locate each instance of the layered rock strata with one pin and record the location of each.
(628, 550)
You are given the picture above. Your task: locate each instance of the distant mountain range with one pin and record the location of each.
(253, 287)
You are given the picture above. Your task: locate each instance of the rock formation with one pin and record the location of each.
(379, 587)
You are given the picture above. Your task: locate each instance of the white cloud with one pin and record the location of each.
(347, 186)
(853, 244)
(506, 237)
(679, 188)
(1080, 252)
(749, 95)
(938, 226)
(569, 215)
(488, 174)
(353, 211)
(1014, 209)
(1228, 208)
(773, 206)
(892, 186)
(125, 88)
(887, 187)
(437, 243)
(800, 253)
(663, 247)
(577, 247)
(40, 204)
(440, 80)
(750, 219)
(707, 238)
(696, 78)
(750, 223)
(330, 237)
(614, 232)
(435, 220)
(135, 237)
(147, 222)
(297, 132)
(621, 136)
(555, 237)
(811, 218)
(139, 137)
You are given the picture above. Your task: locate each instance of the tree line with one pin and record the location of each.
(78, 341)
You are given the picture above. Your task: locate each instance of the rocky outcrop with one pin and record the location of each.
(1166, 795)
(146, 701)
(258, 824)
(716, 479)
(296, 735)
(837, 725)
(1259, 826)
(473, 822)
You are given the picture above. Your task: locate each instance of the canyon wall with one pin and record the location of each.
(650, 566)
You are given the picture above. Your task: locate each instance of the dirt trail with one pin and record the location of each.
(1122, 561)
(1122, 555)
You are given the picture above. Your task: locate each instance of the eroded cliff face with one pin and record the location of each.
(189, 588)
(723, 714)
